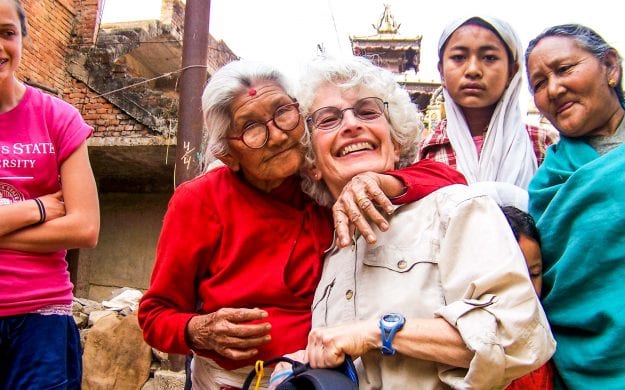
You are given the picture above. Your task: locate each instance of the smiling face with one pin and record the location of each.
(353, 147)
(475, 67)
(571, 88)
(10, 42)
(283, 154)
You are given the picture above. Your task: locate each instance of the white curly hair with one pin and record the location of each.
(353, 73)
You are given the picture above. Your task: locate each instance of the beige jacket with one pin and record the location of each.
(449, 255)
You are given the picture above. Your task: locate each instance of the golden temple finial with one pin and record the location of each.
(387, 24)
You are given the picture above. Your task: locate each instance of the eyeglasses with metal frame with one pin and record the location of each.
(255, 135)
(329, 118)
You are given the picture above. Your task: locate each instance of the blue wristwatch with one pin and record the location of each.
(389, 325)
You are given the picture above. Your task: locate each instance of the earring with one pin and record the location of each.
(611, 83)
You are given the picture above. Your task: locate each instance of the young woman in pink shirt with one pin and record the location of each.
(48, 204)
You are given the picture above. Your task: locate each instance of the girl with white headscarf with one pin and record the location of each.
(483, 136)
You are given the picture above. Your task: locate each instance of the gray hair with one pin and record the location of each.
(587, 39)
(353, 73)
(223, 87)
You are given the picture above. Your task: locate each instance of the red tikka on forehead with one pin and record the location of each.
(251, 92)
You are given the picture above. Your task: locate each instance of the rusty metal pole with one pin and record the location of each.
(192, 80)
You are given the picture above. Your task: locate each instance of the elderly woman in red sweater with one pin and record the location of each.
(241, 248)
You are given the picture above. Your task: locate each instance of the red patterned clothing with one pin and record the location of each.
(541, 139)
(436, 146)
(539, 379)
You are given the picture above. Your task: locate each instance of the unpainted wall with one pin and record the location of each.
(124, 256)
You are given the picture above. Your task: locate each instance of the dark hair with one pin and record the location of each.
(521, 223)
(22, 15)
(588, 39)
(477, 21)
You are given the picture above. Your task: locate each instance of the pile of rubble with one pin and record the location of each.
(114, 353)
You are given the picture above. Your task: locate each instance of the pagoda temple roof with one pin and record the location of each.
(387, 30)
(387, 37)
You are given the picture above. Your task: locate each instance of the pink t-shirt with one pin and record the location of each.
(478, 140)
(36, 137)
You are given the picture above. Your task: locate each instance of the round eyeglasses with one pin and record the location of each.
(329, 118)
(256, 134)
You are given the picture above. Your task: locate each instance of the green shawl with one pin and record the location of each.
(577, 198)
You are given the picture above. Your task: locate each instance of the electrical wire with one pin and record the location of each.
(336, 31)
(168, 74)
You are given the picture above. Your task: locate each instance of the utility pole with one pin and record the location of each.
(192, 81)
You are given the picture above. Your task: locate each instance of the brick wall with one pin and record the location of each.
(51, 38)
(50, 25)
(89, 14)
(106, 119)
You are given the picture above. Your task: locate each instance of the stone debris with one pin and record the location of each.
(168, 380)
(114, 353)
(127, 298)
(97, 315)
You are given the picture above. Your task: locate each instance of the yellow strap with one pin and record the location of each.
(260, 372)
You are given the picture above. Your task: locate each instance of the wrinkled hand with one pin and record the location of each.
(283, 370)
(229, 333)
(53, 203)
(327, 347)
(357, 203)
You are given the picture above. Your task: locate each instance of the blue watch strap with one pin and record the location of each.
(389, 325)
(387, 341)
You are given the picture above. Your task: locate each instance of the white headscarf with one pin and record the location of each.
(507, 154)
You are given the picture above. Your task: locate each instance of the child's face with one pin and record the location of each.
(534, 261)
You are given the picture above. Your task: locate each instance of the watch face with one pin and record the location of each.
(393, 318)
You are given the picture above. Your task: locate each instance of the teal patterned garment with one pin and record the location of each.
(578, 201)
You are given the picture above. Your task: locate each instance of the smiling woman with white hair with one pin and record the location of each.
(443, 298)
(403, 114)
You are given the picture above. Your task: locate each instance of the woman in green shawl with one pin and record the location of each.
(578, 200)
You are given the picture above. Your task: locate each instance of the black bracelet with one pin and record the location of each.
(42, 211)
